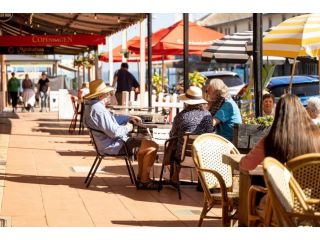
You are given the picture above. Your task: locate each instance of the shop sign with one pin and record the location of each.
(53, 40)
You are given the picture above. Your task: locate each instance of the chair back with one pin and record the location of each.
(91, 130)
(188, 140)
(283, 189)
(207, 153)
(74, 104)
(306, 170)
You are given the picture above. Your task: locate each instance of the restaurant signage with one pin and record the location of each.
(53, 40)
(27, 50)
(5, 17)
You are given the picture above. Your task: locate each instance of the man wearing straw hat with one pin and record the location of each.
(111, 128)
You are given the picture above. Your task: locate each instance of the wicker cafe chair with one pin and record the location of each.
(207, 151)
(284, 190)
(185, 161)
(306, 171)
(76, 113)
(101, 156)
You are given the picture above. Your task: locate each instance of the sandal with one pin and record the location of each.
(150, 185)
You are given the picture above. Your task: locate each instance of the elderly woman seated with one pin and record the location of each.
(193, 119)
(313, 109)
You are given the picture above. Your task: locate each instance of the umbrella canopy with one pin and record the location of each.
(229, 49)
(234, 48)
(169, 41)
(295, 37)
(117, 54)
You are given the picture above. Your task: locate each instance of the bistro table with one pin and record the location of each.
(244, 184)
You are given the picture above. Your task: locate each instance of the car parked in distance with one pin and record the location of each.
(304, 86)
(231, 79)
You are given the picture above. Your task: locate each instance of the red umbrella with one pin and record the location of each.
(169, 41)
(117, 55)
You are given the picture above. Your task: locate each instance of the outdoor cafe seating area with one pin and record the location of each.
(56, 171)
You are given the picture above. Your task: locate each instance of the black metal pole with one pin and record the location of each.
(186, 51)
(257, 62)
(149, 60)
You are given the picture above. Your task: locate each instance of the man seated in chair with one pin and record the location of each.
(113, 128)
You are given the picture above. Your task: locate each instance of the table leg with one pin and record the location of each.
(244, 185)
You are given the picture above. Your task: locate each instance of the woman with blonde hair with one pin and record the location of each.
(223, 108)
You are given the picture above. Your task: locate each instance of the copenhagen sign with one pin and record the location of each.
(53, 40)
(5, 17)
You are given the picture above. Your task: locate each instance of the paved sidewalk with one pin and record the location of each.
(44, 174)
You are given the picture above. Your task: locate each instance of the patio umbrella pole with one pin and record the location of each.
(186, 51)
(162, 72)
(292, 73)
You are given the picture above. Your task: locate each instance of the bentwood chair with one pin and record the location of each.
(184, 163)
(216, 177)
(306, 170)
(284, 190)
(101, 156)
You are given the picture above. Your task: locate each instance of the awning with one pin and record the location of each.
(67, 68)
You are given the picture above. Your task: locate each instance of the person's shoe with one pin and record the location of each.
(40, 110)
(47, 109)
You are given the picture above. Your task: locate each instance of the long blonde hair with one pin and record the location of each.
(292, 133)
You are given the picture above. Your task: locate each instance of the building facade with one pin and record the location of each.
(228, 23)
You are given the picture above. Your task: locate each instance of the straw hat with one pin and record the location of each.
(193, 96)
(97, 88)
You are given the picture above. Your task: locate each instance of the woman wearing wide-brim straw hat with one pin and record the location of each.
(194, 118)
(111, 128)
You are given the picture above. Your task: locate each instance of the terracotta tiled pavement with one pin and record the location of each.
(41, 187)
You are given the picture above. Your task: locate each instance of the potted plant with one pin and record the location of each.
(247, 134)
(196, 79)
(159, 84)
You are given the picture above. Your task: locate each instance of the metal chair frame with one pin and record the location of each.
(101, 156)
(188, 139)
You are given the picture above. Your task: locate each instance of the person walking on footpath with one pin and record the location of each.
(43, 91)
(125, 81)
(13, 89)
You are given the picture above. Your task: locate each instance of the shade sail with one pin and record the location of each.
(295, 37)
(169, 41)
(133, 57)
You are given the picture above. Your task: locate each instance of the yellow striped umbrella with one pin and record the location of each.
(295, 37)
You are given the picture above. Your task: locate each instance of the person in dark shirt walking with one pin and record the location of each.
(125, 81)
(13, 89)
(43, 90)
